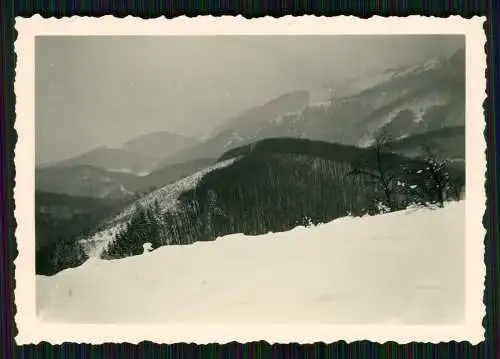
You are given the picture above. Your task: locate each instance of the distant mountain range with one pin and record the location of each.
(84, 180)
(91, 181)
(159, 144)
(99, 183)
(139, 156)
(245, 127)
(402, 102)
(410, 104)
(110, 159)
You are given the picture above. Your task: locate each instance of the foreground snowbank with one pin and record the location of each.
(405, 267)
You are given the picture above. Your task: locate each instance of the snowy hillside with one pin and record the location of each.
(358, 84)
(369, 80)
(405, 101)
(167, 198)
(411, 112)
(401, 268)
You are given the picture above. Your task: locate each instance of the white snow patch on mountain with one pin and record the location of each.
(418, 107)
(356, 85)
(370, 80)
(167, 195)
(128, 170)
(366, 141)
(278, 120)
(289, 116)
(419, 68)
(401, 268)
(121, 170)
(234, 138)
(419, 115)
(95, 245)
(323, 104)
(407, 70)
(124, 190)
(431, 64)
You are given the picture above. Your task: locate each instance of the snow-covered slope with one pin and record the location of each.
(401, 268)
(360, 83)
(405, 101)
(165, 196)
(369, 80)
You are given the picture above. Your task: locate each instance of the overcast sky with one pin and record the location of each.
(102, 91)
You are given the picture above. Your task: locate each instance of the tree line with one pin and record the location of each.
(431, 181)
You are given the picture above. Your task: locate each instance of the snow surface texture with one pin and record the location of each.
(166, 197)
(400, 268)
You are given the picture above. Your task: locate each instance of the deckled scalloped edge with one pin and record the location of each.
(254, 19)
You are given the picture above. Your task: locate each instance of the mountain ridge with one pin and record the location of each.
(406, 101)
(159, 142)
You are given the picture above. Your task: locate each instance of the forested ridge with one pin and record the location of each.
(277, 184)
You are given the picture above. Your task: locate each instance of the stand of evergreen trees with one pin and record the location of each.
(143, 227)
(272, 189)
(59, 255)
(60, 222)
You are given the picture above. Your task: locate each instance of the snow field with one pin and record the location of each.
(405, 267)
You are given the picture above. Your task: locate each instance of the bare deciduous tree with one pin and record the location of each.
(438, 171)
(382, 172)
(432, 182)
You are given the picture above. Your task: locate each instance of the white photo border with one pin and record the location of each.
(32, 331)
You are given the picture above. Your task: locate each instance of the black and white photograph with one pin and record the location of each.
(316, 179)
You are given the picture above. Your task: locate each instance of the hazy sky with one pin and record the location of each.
(102, 91)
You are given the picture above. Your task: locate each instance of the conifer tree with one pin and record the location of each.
(135, 233)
